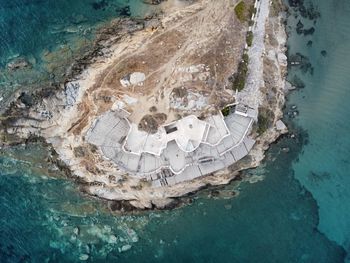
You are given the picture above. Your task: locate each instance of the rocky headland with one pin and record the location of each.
(161, 69)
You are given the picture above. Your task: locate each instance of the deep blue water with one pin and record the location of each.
(299, 212)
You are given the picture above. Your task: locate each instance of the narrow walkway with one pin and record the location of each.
(250, 95)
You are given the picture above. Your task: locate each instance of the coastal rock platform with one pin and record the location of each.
(143, 122)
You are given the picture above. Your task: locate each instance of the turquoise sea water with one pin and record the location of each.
(324, 165)
(298, 213)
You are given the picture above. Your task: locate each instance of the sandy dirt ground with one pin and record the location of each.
(185, 61)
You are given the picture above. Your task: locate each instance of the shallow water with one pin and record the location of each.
(298, 213)
(324, 164)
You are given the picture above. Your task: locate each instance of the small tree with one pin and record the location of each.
(240, 11)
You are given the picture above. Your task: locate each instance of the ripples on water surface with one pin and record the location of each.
(324, 165)
(279, 219)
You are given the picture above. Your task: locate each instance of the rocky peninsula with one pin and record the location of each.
(165, 106)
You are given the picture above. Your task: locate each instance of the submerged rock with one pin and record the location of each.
(18, 63)
(300, 27)
(309, 31)
(308, 11)
(132, 235)
(124, 11)
(295, 3)
(286, 149)
(228, 207)
(124, 248)
(99, 4)
(153, 2)
(297, 82)
(76, 230)
(112, 239)
(84, 257)
(301, 61)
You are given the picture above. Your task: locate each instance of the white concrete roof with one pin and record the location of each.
(179, 151)
(218, 129)
(139, 142)
(188, 133)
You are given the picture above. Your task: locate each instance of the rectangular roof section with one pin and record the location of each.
(187, 132)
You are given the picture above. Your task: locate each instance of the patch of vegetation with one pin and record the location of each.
(241, 74)
(249, 38)
(262, 123)
(180, 92)
(240, 11)
(225, 111)
(244, 13)
(264, 119)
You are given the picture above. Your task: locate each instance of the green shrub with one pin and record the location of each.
(249, 38)
(240, 11)
(241, 74)
(264, 119)
(225, 111)
(263, 123)
(245, 58)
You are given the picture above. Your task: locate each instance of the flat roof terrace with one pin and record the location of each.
(218, 142)
(187, 132)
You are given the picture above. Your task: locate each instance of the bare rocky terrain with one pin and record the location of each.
(178, 66)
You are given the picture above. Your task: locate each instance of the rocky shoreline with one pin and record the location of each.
(106, 37)
(50, 112)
